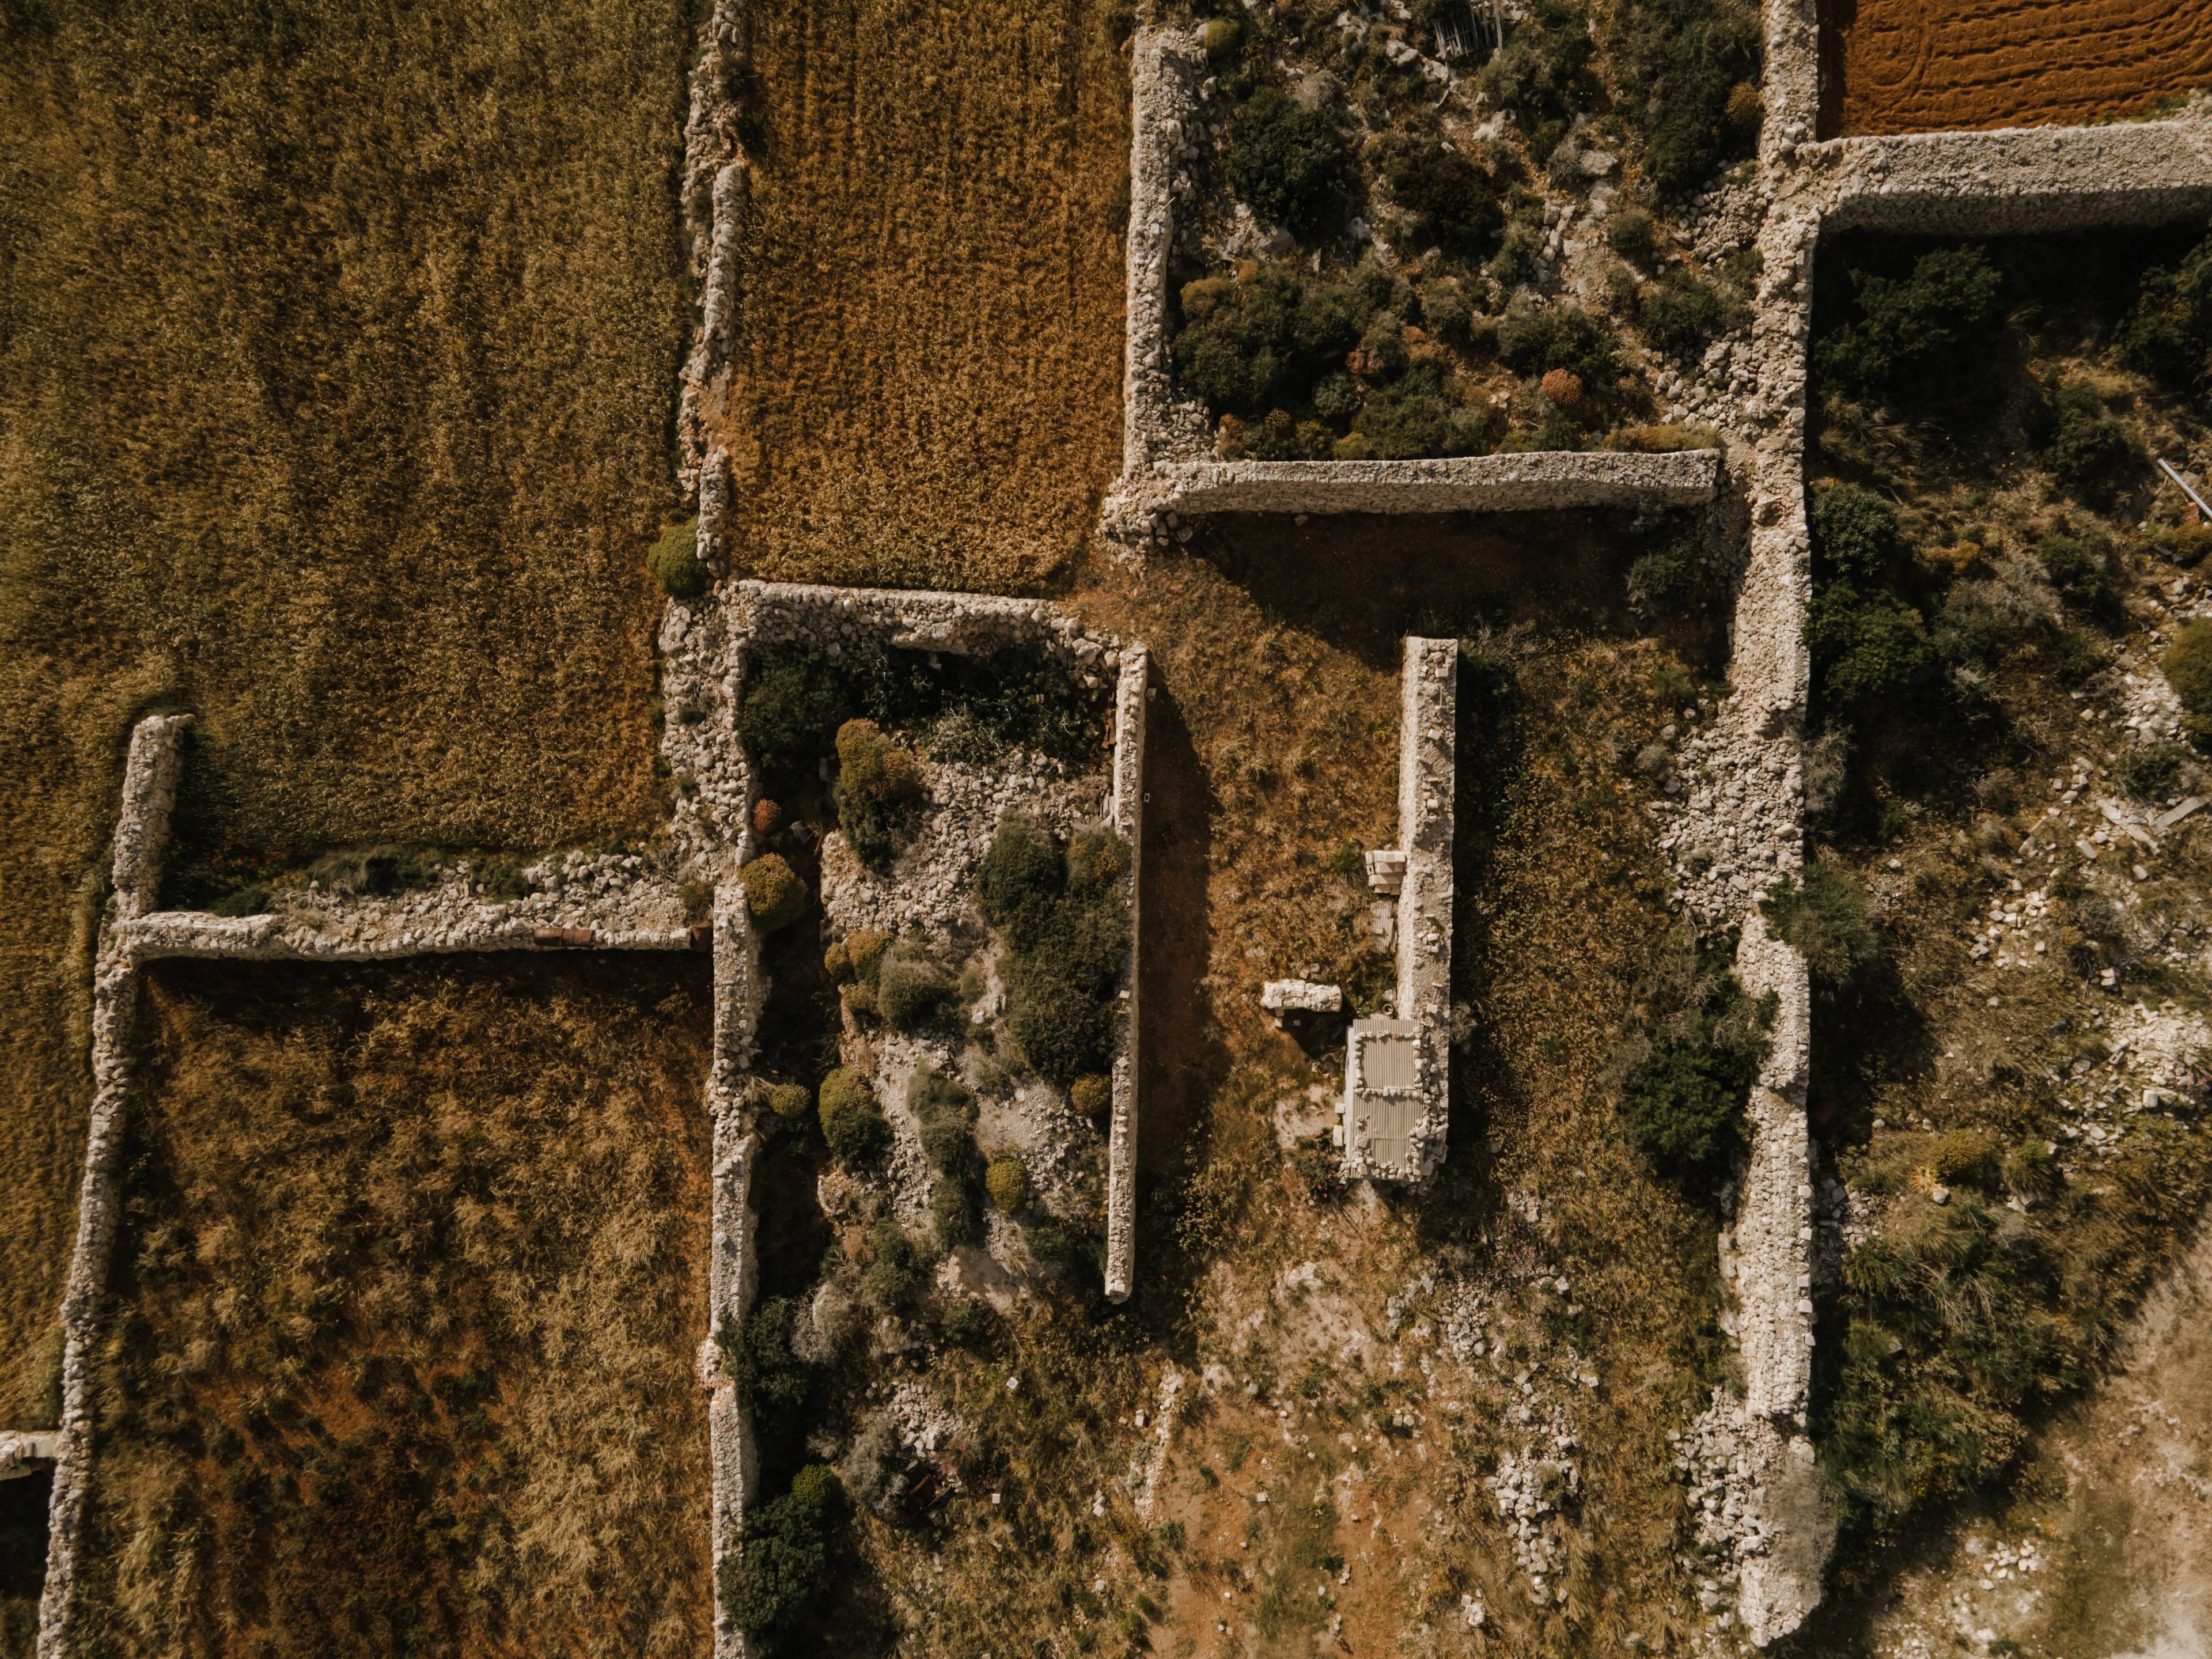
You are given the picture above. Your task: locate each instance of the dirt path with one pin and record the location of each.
(1911, 66)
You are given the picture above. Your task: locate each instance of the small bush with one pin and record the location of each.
(1685, 1099)
(773, 1589)
(791, 1105)
(2149, 771)
(896, 1271)
(675, 562)
(2188, 666)
(2168, 334)
(970, 1324)
(773, 1382)
(1535, 339)
(1867, 652)
(852, 1123)
(1681, 314)
(858, 956)
(1447, 199)
(1676, 66)
(1008, 1183)
(1542, 72)
(1631, 235)
(878, 788)
(252, 899)
(2094, 457)
(2085, 572)
(1824, 916)
(774, 892)
(952, 1213)
(1856, 531)
(1923, 329)
(1667, 578)
(788, 714)
(910, 994)
(1020, 879)
(1290, 165)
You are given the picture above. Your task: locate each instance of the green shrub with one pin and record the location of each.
(773, 1589)
(1290, 165)
(1685, 1099)
(2188, 666)
(1402, 423)
(1867, 651)
(953, 1213)
(1097, 859)
(1857, 532)
(252, 899)
(791, 1104)
(852, 1123)
(773, 1382)
(1824, 916)
(1281, 438)
(970, 1324)
(858, 956)
(2169, 334)
(2094, 457)
(788, 714)
(1674, 65)
(675, 562)
(1542, 72)
(878, 790)
(1448, 201)
(1008, 1183)
(1666, 579)
(1445, 312)
(1921, 329)
(1681, 314)
(1060, 1029)
(1630, 232)
(774, 892)
(1020, 879)
(1534, 338)
(2085, 572)
(2149, 771)
(909, 994)
(896, 1271)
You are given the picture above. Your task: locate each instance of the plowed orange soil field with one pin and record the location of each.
(1937, 65)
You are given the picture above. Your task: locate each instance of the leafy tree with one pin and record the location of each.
(1909, 328)
(1290, 164)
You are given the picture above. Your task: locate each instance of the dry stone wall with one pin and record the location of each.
(1427, 780)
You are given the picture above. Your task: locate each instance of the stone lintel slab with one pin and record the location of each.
(1540, 481)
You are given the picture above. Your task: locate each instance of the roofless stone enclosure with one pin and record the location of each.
(601, 902)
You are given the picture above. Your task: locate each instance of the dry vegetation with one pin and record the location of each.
(413, 1270)
(929, 366)
(337, 359)
(2016, 1177)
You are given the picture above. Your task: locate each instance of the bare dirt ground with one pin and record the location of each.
(1909, 66)
(928, 373)
(410, 1281)
(343, 420)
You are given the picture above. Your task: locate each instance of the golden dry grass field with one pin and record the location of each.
(927, 384)
(413, 1269)
(338, 350)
